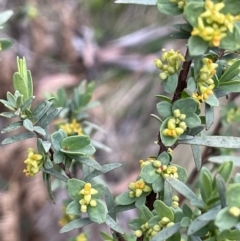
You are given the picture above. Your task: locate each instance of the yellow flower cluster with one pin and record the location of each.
(180, 3)
(166, 171)
(150, 232)
(213, 25)
(33, 163)
(205, 82)
(66, 218)
(81, 237)
(137, 188)
(87, 193)
(144, 163)
(233, 114)
(169, 63)
(176, 125)
(72, 128)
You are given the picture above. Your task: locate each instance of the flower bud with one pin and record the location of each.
(158, 63)
(163, 75)
(157, 163)
(165, 220)
(156, 228)
(170, 224)
(84, 208)
(179, 131)
(235, 211)
(138, 192)
(138, 233)
(177, 113)
(93, 203)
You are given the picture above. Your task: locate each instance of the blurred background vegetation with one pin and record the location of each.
(64, 43)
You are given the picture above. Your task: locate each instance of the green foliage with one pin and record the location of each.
(209, 70)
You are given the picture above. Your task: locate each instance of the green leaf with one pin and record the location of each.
(221, 159)
(231, 6)
(191, 84)
(164, 157)
(113, 225)
(187, 211)
(86, 151)
(48, 117)
(231, 72)
(8, 114)
(56, 139)
(73, 208)
(220, 183)
(97, 214)
(105, 168)
(4, 16)
(149, 174)
(192, 120)
(78, 223)
(28, 125)
(140, 201)
(40, 110)
(58, 157)
(197, 46)
(27, 103)
(205, 183)
(55, 173)
(166, 232)
(157, 185)
(164, 108)
(167, 7)
(225, 170)
(182, 173)
(101, 190)
(7, 105)
(213, 141)
(122, 208)
(230, 86)
(124, 199)
(109, 199)
(20, 85)
(163, 210)
(230, 42)
(48, 163)
(49, 189)
(212, 100)
(106, 237)
(168, 193)
(202, 220)
(232, 195)
(197, 156)
(209, 114)
(89, 162)
(163, 97)
(75, 143)
(39, 130)
(11, 99)
(12, 126)
(184, 190)
(170, 84)
(186, 106)
(185, 222)
(135, 224)
(144, 2)
(225, 220)
(193, 9)
(145, 214)
(18, 137)
(73, 188)
(5, 44)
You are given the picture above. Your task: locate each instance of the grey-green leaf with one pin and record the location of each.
(78, 223)
(18, 137)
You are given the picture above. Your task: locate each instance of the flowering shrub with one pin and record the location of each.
(209, 70)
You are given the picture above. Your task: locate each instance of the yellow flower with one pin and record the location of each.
(206, 91)
(181, 3)
(72, 128)
(169, 64)
(81, 237)
(138, 187)
(34, 162)
(87, 193)
(213, 25)
(66, 218)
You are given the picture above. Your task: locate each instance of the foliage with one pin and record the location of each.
(209, 70)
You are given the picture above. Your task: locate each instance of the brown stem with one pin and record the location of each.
(120, 237)
(61, 165)
(182, 84)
